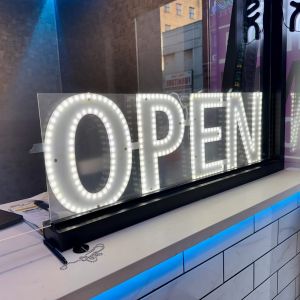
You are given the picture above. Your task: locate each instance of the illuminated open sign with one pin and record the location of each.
(59, 141)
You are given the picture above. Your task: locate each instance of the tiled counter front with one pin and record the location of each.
(257, 259)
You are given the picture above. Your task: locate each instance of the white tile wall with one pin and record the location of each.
(193, 284)
(289, 224)
(274, 260)
(255, 266)
(236, 288)
(272, 214)
(288, 293)
(203, 251)
(154, 278)
(266, 291)
(288, 273)
(247, 251)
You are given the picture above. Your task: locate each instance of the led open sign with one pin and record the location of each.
(59, 141)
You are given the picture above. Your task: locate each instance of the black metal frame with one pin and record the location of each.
(80, 229)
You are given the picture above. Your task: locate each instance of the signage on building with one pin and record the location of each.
(179, 82)
(60, 140)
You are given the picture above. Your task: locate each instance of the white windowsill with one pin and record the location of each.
(140, 247)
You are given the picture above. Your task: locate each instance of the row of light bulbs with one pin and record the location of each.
(69, 112)
(295, 122)
(111, 192)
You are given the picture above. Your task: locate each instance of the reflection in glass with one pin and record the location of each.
(181, 48)
(207, 47)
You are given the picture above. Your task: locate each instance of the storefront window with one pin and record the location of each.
(172, 100)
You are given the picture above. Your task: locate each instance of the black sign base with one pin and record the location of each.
(81, 229)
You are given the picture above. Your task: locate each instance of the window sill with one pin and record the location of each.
(140, 247)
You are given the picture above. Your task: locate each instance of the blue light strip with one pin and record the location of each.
(217, 243)
(276, 211)
(146, 281)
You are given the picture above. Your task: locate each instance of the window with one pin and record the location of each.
(167, 8)
(179, 9)
(218, 140)
(191, 12)
(167, 27)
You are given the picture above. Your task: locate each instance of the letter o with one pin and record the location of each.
(60, 159)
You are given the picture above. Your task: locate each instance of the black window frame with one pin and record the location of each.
(75, 230)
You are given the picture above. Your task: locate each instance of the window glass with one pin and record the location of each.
(142, 60)
(167, 8)
(192, 12)
(178, 9)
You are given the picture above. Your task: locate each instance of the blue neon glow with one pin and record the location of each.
(145, 282)
(41, 49)
(46, 21)
(217, 243)
(271, 214)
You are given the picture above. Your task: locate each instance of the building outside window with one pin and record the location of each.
(191, 12)
(167, 8)
(179, 9)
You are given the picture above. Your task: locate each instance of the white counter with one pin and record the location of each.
(29, 271)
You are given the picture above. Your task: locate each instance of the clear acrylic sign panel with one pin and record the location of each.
(101, 150)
